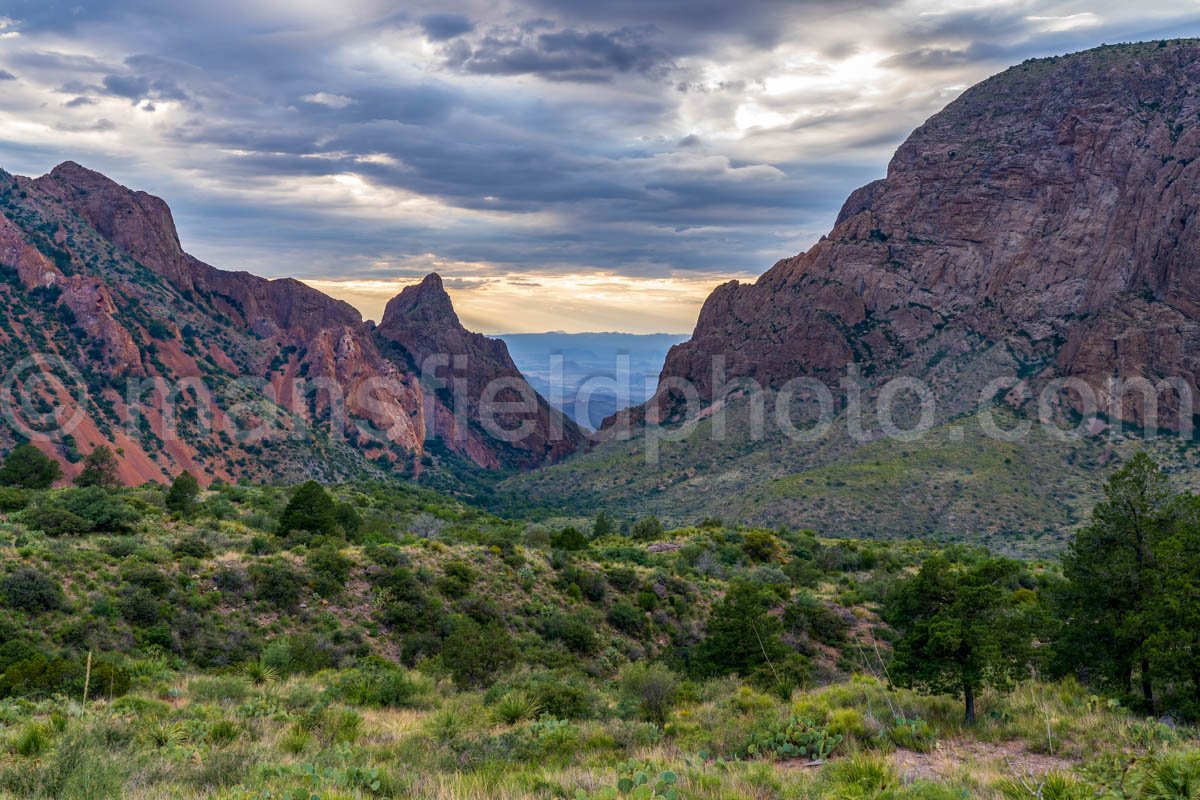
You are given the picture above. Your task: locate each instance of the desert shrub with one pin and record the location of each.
(476, 654)
(191, 546)
(13, 499)
(104, 510)
(27, 589)
(573, 630)
(652, 689)
(647, 529)
(762, 547)
(27, 467)
(569, 539)
(328, 570)
(562, 695)
(54, 520)
(301, 654)
(310, 510)
(627, 618)
(376, 684)
(147, 577)
(138, 605)
(182, 497)
(277, 582)
(457, 580)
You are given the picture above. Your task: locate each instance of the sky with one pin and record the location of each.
(564, 165)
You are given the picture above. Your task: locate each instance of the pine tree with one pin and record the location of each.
(1113, 572)
(99, 469)
(310, 509)
(182, 496)
(29, 468)
(962, 627)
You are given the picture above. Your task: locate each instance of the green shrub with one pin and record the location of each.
(310, 510)
(27, 467)
(573, 630)
(627, 618)
(278, 583)
(328, 570)
(569, 539)
(104, 510)
(377, 686)
(476, 654)
(31, 741)
(191, 546)
(54, 520)
(653, 689)
(27, 589)
(13, 499)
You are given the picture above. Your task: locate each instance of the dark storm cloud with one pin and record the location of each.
(564, 55)
(629, 135)
(5, 75)
(440, 27)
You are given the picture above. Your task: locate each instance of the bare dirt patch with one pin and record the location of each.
(955, 757)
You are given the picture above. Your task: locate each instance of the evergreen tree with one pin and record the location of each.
(99, 469)
(604, 526)
(29, 468)
(962, 627)
(1114, 574)
(741, 635)
(310, 509)
(182, 496)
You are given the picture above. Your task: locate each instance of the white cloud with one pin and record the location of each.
(328, 99)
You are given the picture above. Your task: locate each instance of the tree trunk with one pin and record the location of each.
(1147, 687)
(969, 693)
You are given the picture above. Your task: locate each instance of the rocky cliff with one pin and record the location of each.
(186, 366)
(1044, 224)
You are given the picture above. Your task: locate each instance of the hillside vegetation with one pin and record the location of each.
(379, 640)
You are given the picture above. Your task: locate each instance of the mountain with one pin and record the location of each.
(1044, 224)
(591, 376)
(1042, 227)
(180, 365)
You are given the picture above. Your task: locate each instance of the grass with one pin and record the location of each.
(459, 747)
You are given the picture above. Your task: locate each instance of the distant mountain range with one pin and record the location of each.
(591, 376)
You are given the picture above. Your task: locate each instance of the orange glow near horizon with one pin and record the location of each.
(536, 303)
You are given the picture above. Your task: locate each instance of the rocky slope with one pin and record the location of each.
(1044, 225)
(228, 374)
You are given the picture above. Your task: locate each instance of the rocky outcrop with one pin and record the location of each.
(470, 369)
(1046, 218)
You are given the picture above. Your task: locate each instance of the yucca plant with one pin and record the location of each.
(1172, 777)
(259, 673)
(295, 741)
(1051, 786)
(516, 707)
(31, 741)
(164, 735)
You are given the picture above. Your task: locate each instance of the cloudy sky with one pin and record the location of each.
(564, 164)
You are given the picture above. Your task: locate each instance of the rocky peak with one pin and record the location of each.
(424, 302)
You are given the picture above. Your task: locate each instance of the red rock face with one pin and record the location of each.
(1043, 223)
(119, 298)
(421, 322)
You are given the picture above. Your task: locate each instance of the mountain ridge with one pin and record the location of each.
(147, 309)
